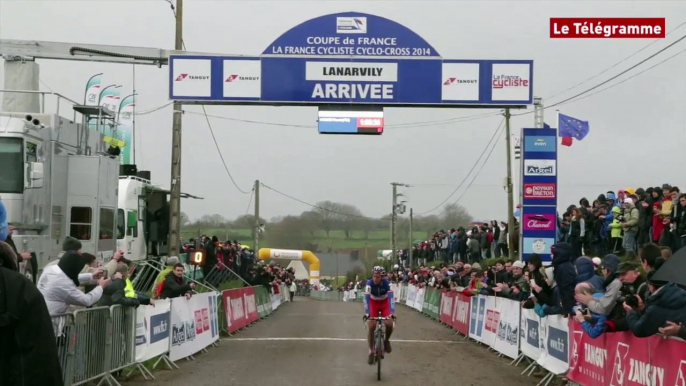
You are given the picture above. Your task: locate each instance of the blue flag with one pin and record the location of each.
(572, 127)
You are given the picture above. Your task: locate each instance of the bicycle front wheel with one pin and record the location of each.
(379, 355)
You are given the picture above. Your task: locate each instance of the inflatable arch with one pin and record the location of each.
(289, 254)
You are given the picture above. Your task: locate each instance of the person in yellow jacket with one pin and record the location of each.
(616, 230)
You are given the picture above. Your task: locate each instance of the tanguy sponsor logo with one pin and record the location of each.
(185, 77)
(455, 81)
(236, 78)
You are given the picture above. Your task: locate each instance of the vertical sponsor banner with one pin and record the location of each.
(588, 358)
(446, 312)
(432, 299)
(152, 330)
(419, 299)
(507, 336)
(124, 131)
(539, 192)
(492, 318)
(476, 321)
(530, 343)
(190, 324)
(461, 314)
(240, 308)
(93, 88)
(555, 355)
(411, 294)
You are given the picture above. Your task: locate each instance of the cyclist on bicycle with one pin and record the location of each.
(378, 297)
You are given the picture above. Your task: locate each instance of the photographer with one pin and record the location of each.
(612, 285)
(666, 303)
(633, 283)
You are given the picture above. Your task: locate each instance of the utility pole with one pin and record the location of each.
(411, 235)
(394, 217)
(257, 226)
(175, 186)
(510, 193)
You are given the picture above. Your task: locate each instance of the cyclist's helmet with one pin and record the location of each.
(380, 270)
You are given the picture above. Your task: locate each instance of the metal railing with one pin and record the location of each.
(42, 94)
(94, 343)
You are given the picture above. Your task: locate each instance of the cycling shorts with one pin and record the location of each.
(379, 305)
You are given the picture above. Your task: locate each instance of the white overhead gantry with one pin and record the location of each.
(29, 50)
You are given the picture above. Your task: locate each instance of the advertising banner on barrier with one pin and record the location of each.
(411, 295)
(529, 341)
(555, 354)
(240, 307)
(620, 358)
(276, 301)
(476, 320)
(432, 300)
(492, 318)
(152, 330)
(507, 336)
(446, 311)
(194, 324)
(461, 318)
(263, 301)
(419, 299)
(403, 293)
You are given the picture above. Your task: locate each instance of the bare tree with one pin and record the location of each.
(184, 219)
(246, 221)
(329, 215)
(455, 215)
(350, 217)
(311, 221)
(288, 234)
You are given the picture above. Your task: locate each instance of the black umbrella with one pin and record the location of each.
(674, 269)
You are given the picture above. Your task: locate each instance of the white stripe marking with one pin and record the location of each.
(334, 340)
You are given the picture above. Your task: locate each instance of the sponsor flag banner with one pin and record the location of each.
(152, 330)
(124, 131)
(507, 335)
(193, 324)
(461, 315)
(530, 334)
(93, 88)
(555, 354)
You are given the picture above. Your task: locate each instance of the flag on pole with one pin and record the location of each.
(572, 127)
(567, 141)
(124, 132)
(90, 98)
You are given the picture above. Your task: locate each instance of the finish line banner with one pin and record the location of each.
(350, 57)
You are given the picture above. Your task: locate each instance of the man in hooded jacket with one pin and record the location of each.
(565, 278)
(29, 349)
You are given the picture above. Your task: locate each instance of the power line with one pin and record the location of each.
(479, 171)
(209, 125)
(617, 64)
(495, 133)
(315, 206)
(618, 75)
(631, 77)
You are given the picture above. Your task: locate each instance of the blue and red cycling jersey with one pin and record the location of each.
(380, 294)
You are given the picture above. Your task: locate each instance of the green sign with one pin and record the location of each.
(264, 304)
(432, 301)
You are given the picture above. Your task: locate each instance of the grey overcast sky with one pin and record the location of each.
(638, 128)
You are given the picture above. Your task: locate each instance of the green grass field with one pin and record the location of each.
(336, 240)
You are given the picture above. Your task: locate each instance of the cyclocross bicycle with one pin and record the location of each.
(379, 336)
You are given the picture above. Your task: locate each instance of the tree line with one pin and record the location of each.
(306, 230)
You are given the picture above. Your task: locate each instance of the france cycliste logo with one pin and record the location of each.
(351, 25)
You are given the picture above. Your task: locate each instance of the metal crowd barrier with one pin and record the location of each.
(93, 343)
(327, 295)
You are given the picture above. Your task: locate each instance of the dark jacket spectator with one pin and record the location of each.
(667, 303)
(586, 273)
(29, 350)
(565, 278)
(175, 285)
(543, 292)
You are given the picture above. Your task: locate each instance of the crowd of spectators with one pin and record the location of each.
(587, 280)
(468, 245)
